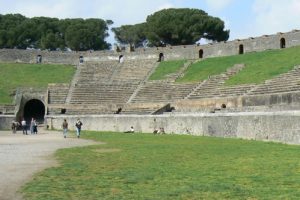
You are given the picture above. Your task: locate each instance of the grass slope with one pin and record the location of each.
(144, 166)
(165, 68)
(260, 66)
(15, 75)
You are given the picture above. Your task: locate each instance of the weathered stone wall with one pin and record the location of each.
(273, 126)
(5, 121)
(169, 53)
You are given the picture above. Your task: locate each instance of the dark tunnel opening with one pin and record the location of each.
(34, 109)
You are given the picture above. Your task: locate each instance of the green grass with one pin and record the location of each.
(260, 66)
(166, 68)
(144, 166)
(15, 75)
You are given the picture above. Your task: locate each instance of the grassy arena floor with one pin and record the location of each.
(144, 166)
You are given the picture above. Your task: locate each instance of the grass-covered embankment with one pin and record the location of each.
(260, 66)
(14, 75)
(167, 67)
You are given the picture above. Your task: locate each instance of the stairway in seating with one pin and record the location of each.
(73, 83)
(142, 83)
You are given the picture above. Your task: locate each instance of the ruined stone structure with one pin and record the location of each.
(235, 47)
(111, 91)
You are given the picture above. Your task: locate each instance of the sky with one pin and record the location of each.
(244, 18)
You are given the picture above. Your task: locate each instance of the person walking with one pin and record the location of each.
(24, 126)
(14, 126)
(78, 127)
(65, 128)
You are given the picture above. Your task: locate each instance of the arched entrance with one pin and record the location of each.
(121, 59)
(282, 43)
(241, 49)
(201, 53)
(36, 109)
(161, 57)
(39, 59)
(80, 59)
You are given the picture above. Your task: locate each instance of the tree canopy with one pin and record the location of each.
(133, 35)
(173, 26)
(17, 31)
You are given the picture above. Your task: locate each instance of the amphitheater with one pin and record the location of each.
(111, 91)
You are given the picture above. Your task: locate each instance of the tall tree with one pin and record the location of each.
(134, 35)
(17, 31)
(183, 26)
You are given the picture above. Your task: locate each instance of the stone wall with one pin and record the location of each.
(5, 121)
(235, 47)
(271, 126)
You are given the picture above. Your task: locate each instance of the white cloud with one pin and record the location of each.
(276, 16)
(218, 4)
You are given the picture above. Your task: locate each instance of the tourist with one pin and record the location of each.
(130, 131)
(78, 127)
(65, 128)
(35, 127)
(24, 126)
(32, 126)
(14, 126)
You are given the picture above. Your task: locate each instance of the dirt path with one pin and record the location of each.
(21, 156)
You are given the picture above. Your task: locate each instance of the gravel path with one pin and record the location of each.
(21, 156)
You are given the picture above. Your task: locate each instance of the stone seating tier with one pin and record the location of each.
(7, 109)
(57, 93)
(287, 82)
(162, 92)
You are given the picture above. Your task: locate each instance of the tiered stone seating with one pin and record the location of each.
(287, 82)
(70, 109)
(57, 93)
(234, 90)
(110, 82)
(213, 87)
(133, 71)
(159, 91)
(92, 72)
(7, 109)
(102, 93)
(141, 108)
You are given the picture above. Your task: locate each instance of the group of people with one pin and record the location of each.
(33, 126)
(161, 130)
(65, 128)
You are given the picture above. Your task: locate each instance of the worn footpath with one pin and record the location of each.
(21, 156)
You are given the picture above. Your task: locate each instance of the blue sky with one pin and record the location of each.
(244, 18)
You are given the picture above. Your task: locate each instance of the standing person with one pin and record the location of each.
(32, 126)
(78, 127)
(65, 128)
(14, 126)
(35, 127)
(24, 126)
